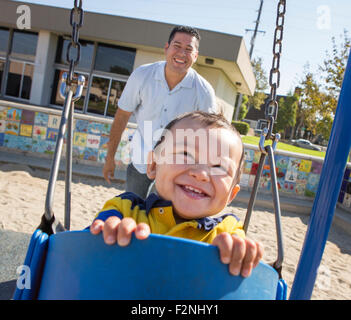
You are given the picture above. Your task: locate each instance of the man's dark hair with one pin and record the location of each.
(215, 120)
(184, 29)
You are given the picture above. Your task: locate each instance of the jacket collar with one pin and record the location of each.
(206, 223)
(155, 201)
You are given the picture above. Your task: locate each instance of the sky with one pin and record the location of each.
(308, 30)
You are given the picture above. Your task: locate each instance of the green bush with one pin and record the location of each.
(242, 127)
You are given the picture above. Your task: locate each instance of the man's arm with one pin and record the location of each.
(119, 124)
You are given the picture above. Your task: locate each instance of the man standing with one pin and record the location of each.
(156, 93)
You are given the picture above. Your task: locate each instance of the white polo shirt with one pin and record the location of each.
(147, 95)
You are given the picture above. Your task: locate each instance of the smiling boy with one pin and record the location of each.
(196, 166)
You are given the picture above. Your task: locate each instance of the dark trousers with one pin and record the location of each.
(137, 182)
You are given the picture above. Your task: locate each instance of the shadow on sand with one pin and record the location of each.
(13, 248)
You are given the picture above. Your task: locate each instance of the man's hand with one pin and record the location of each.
(242, 255)
(118, 125)
(108, 170)
(120, 231)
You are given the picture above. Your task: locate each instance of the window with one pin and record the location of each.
(56, 97)
(27, 77)
(2, 66)
(114, 59)
(98, 95)
(104, 95)
(24, 45)
(86, 53)
(115, 93)
(17, 67)
(106, 69)
(19, 80)
(4, 40)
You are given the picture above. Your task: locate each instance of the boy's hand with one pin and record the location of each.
(242, 255)
(120, 231)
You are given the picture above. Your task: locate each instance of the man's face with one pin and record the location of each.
(181, 53)
(197, 174)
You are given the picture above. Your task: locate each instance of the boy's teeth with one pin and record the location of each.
(193, 189)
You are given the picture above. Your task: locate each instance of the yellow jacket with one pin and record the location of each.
(158, 214)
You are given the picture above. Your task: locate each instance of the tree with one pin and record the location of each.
(243, 108)
(333, 69)
(313, 113)
(310, 102)
(318, 100)
(259, 96)
(286, 118)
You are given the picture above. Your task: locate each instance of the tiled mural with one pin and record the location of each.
(345, 192)
(37, 132)
(294, 175)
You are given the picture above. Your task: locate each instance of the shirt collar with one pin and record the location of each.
(206, 223)
(155, 201)
(160, 71)
(187, 81)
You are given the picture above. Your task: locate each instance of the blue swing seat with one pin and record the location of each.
(77, 265)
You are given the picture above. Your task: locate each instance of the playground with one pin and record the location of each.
(24, 187)
(68, 262)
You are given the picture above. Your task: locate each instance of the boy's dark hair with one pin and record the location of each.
(214, 120)
(185, 29)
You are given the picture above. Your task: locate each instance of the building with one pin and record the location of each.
(31, 62)
(257, 117)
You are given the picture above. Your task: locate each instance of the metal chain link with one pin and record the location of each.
(76, 21)
(271, 110)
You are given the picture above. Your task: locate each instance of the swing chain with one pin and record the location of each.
(271, 110)
(76, 21)
(49, 223)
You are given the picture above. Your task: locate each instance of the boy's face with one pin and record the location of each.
(181, 53)
(195, 168)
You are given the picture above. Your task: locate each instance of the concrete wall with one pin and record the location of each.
(223, 88)
(226, 90)
(222, 85)
(43, 70)
(35, 129)
(144, 57)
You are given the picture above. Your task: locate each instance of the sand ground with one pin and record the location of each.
(22, 198)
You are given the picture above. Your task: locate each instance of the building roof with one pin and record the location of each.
(228, 51)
